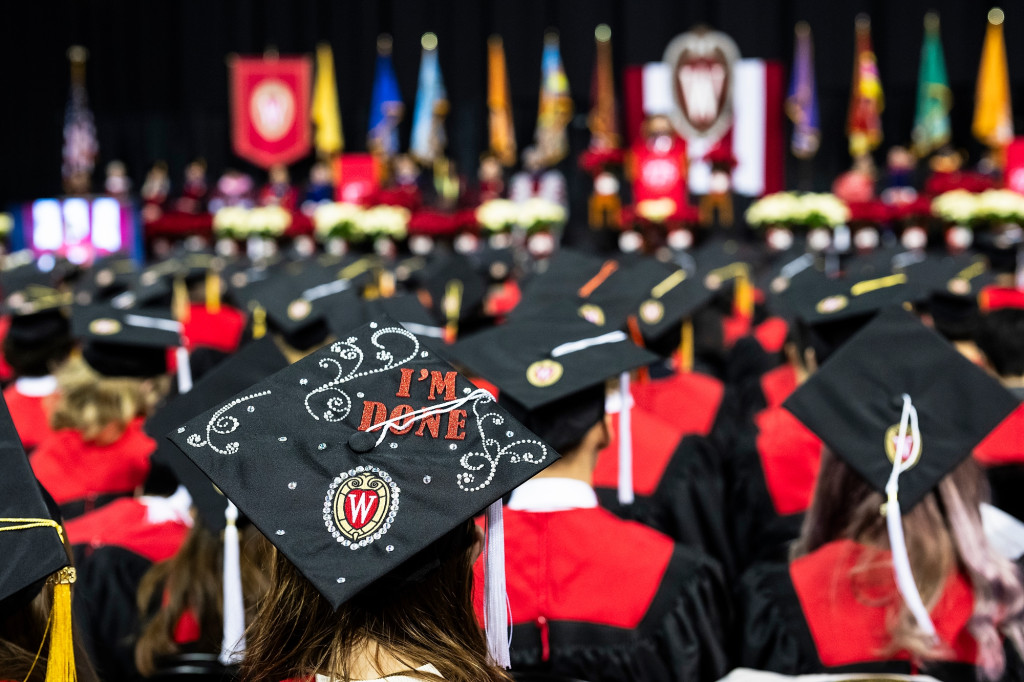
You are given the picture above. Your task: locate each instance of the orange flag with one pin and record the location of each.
(499, 104)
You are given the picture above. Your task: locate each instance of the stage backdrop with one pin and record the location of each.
(158, 78)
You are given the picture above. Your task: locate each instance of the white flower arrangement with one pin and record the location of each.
(6, 224)
(541, 215)
(381, 221)
(335, 220)
(789, 208)
(498, 215)
(993, 205)
(957, 206)
(235, 222)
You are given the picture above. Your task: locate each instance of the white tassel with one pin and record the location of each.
(184, 370)
(232, 647)
(496, 607)
(894, 521)
(625, 442)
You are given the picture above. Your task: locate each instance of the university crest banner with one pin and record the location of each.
(270, 105)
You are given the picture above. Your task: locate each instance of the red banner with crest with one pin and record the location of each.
(270, 99)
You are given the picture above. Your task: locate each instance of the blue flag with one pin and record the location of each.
(386, 106)
(802, 100)
(428, 137)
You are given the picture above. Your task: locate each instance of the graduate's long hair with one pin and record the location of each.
(420, 613)
(100, 407)
(192, 581)
(944, 535)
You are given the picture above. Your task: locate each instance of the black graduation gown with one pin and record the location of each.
(597, 598)
(776, 632)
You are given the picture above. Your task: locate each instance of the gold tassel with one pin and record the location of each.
(686, 347)
(212, 292)
(60, 660)
(743, 297)
(259, 322)
(452, 306)
(386, 283)
(180, 300)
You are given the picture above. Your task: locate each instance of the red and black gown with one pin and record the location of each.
(83, 475)
(810, 616)
(30, 414)
(1002, 456)
(598, 598)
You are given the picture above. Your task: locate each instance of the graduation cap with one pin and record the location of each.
(456, 289)
(552, 376)
(902, 408)
(126, 343)
(31, 540)
(361, 455)
(948, 288)
(108, 277)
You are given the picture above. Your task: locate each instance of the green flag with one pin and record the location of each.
(931, 122)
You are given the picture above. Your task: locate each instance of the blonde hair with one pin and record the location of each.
(92, 403)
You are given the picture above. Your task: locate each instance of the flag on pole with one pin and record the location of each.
(499, 104)
(993, 118)
(80, 144)
(931, 122)
(555, 104)
(428, 137)
(602, 120)
(802, 100)
(386, 106)
(329, 139)
(864, 124)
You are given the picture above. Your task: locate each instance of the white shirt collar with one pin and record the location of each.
(552, 494)
(36, 387)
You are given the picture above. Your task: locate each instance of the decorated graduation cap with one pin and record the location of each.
(902, 408)
(552, 375)
(31, 540)
(130, 343)
(358, 457)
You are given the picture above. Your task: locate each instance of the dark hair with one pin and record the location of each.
(420, 613)
(193, 580)
(1000, 336)
(944, 534)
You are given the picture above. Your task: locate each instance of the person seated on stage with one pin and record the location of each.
(321, 186)
(98, 451)
(638, 607)
(278, 191)
(892, 573)
(37, 342)
(37, 580)
(1000, 336)
(369, 501)
(195, 189)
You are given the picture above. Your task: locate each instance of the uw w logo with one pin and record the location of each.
(363, 504)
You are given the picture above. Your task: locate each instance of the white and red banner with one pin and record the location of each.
(270, 104)
(758, 131)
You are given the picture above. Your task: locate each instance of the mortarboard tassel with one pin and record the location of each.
(212, 292)
(180, 300)
(496, 616)
(232, 646)
(60, 659)
(259, 322)
(184, 369)
(743, 296)
(452, 306)
(894, 521)
(686, 347)
(626, 495)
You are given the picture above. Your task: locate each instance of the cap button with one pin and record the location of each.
(361, 441)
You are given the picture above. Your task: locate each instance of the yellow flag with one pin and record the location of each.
(502, 134)
(326, 115)
(993, 120)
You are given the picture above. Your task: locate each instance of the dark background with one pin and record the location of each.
(157, 78)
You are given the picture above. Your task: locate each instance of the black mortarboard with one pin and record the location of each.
(345, 504)
(108, 277)
(35, 551)
(854, 403)
(456, 288)
(552, 375)
(128, 343)
(253, 363)
(408, 311)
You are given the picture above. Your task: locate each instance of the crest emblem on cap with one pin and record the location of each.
(544, 373)
(592, 314)
(104, 326)
(832, 304)
(652, 311)
(299, 309)
(360, 506)
(892, 443)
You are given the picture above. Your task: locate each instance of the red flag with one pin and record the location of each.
(864, 123)
(270, 100)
